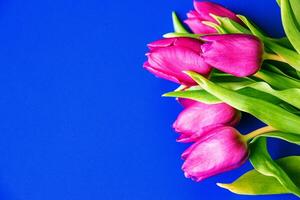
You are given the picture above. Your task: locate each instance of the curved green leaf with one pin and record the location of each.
(290, 56)
(177, 25)
(279, 81)
(189, 35)
(289, 137)
(253, 28)
(230, 82)
(290, 24)
(263, 163)
(290, 96)
(226, 25)
(267, 112)
(255, 183)
(197, 95)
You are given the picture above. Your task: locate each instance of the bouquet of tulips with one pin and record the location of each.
(226, 65)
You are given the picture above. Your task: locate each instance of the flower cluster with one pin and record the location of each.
(224, 68)
(236, 54)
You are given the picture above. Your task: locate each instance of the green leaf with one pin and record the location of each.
(290, 96)
(283, 42)
(263, 163)
(289, 137)
(279, 81)
(255, 183)
(189, 35)
(177, 24)
(197, 95)
(230, 26)
(215, 26)
(253, 28)
(226, 25)
(244, 86)
(290, 24)
(260, 90)
(290, 56)
(267, 112)
(295, 5)
(231, 82)
(290, 108)
(282, 69)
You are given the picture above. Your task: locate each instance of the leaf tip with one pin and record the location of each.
(195, 76)
(174, 14)
(169, 35)
(189, 73)
(222, 185)
(216, 17)
(168, 94)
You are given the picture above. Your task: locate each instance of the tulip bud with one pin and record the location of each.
(222, 150)
(198, 119)
(169, 57)
(237, 54)
(202, 13)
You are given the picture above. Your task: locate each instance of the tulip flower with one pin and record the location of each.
(202, 12)
(223, 149)
(237, 54)
(186, 102)
(198, 119)
(169, 57)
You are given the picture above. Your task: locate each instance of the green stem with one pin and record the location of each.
(258, 132)
(269, 56)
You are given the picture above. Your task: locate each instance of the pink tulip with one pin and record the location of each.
(222, 150)
(202, 13)
(198, 119)
(237, 54)
(169, 57)
(186, 102)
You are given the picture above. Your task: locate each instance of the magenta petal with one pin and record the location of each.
(193, 14)
(187, 152)
(222, 151)
(236, 54)
(192, 44)
(202, 12)
(168, 58)
(174, 60)
(198, 27)
(160, 74)
(186, 102)
(161, 43)
(197, 119)
(205, 8)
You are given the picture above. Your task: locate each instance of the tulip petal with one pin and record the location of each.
(222, 151)
(192, 44)
(161, 43)
(173, 60)
(186, 102)
(159, 73)
(236, 54)
(198, 27)
(197, 119)
(205, 8)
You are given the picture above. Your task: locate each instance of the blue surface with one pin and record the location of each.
(81, 119)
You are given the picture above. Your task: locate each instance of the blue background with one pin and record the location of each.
(80, 118)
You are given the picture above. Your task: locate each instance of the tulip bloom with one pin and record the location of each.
(169, 57)
(237, 54)
(198, 119)
(202, 13)
(222, 150)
